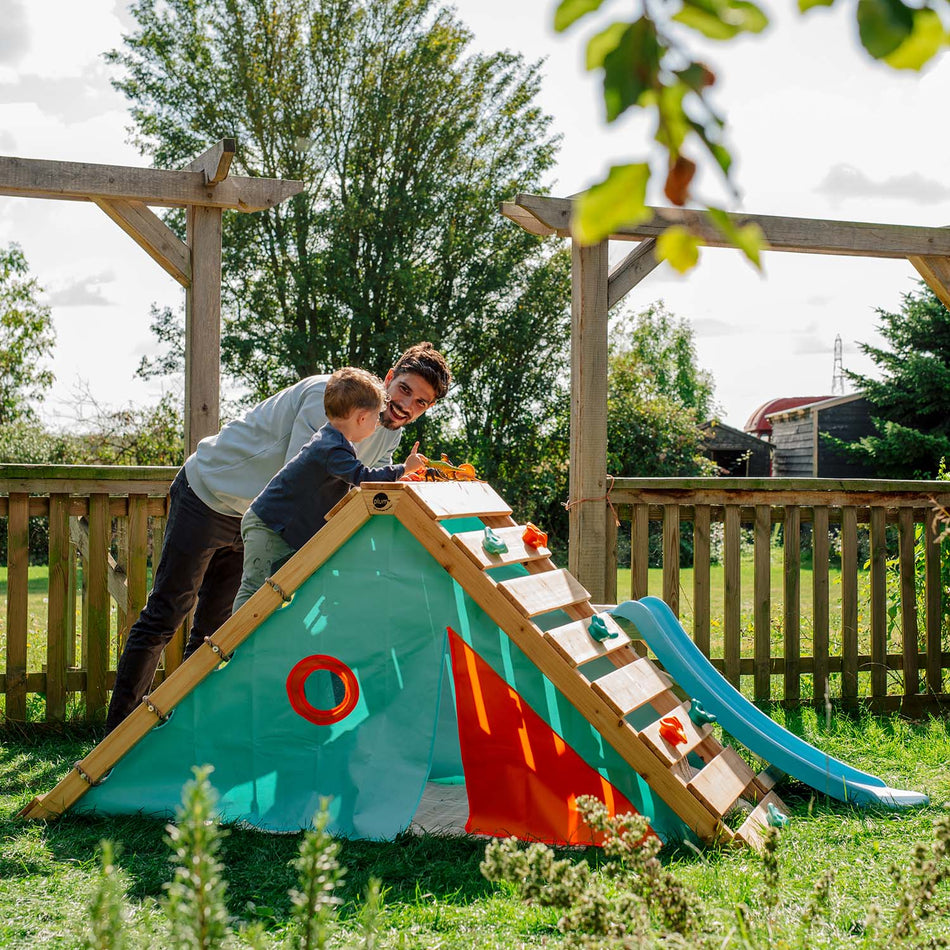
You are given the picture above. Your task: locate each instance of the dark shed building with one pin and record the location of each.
(799, 450)
(735, 452)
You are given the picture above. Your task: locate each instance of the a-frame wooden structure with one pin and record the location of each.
(596, 288)
(204, 189)
(700, 797)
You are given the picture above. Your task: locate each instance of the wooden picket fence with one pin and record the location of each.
(105, 526)
(882, 637)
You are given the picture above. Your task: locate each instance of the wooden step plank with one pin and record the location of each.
(753, 827)
(674, 753)
(537, 594)
(457, 499)
(631, 686)
(721, 782)
(577, 646)
(518, 552)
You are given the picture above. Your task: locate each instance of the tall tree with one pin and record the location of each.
(405, 146)
(911, 401)
(26, 339)
(657, 397)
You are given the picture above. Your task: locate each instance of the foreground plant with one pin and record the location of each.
(195, 898)
(315, 902)
(107, 910)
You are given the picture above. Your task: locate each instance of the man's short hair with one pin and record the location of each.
(350, 389)
(429, 363)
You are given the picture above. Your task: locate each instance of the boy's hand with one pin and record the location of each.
(415, 461)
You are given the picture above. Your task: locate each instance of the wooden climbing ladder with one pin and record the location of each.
(701, 797)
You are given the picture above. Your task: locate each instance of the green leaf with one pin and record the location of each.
(605, 42)
(569, 11)
(805, 5)
(749, 238)
(618, 200)
(884, 25)
(680, 247)
(924, 42)
(722, 19)
(674, 125)
(632, 67)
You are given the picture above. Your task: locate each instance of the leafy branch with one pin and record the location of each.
(647, 65)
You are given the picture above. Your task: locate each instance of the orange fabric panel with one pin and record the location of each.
(521, 777)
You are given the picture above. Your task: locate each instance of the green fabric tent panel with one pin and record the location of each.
(366, 606)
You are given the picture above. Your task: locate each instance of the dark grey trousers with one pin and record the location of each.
(202, 557)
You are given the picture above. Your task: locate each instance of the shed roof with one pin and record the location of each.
(759, 424)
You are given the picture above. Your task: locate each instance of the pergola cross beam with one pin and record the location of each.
(204, 189)
(595, 290)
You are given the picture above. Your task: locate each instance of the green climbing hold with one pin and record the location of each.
(775, 818)
(698, 713)
(599, 630)
(492, 543)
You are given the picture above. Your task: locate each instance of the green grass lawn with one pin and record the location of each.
(434, 894)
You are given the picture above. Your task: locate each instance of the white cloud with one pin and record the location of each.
(83, 292)
(15, 35)
(70, 99)
(846, 181)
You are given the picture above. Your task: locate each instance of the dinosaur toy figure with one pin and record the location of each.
(443, 471)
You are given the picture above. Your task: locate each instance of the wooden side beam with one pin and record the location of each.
(151, 234)
(84, 181)
(215, 163)
(624, 276)
(936, 272)
(805, 235)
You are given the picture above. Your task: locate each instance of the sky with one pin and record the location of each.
(815, 127)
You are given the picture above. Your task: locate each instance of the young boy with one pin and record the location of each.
(293, 506)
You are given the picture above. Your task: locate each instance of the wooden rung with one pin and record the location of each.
(721, 782)
(765, 781)
(631, 686)
(537, 594)
(674, 753)
(457, 499)
(757, 822)
(577, 646)
(518, 552)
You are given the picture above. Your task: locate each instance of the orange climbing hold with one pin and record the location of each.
(534, 537)
(671, 729)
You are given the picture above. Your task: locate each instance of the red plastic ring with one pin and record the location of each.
(297, 679)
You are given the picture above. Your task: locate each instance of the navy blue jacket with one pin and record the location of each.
(296, 500)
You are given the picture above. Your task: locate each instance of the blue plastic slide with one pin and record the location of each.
(683, 660)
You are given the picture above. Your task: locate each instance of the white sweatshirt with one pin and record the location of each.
(229, 470)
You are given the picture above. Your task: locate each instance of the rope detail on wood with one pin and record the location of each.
(152, 708)
(284, 596)
(224, 657)
(568, 505)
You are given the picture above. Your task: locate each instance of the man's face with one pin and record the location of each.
(409, 396)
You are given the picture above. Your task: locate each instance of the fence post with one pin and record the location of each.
(793, 628)
(732, 593)
(671, 557)
(18, 573)
(701, 586)
(878, 608)
(849, 605)
(57, 618)
(820, 592)
(762, 606)
(908, 568)
(98, 610)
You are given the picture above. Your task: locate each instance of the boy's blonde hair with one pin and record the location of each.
(350, 389)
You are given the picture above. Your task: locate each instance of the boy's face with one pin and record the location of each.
(409, 396)
(363, 423)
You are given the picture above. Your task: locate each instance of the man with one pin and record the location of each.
(202, 554)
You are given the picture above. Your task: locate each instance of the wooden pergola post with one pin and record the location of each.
(204, 189)
(595, 290)
(588, 456)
